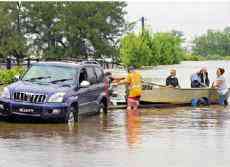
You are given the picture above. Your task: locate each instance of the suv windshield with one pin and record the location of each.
(50, 74)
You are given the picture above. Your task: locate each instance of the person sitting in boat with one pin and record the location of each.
(133, 80)
(171, 80)
(221, 86)
(203, 75)
(200, 79)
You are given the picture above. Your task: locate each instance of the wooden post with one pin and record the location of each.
(142, 24)
(17, 61)
(28, 62)
(8, 63)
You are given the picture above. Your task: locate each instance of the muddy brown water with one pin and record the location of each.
(179, 137)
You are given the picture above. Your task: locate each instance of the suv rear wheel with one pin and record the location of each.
(102, 108)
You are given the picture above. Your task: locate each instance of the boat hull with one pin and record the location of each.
(177, 95)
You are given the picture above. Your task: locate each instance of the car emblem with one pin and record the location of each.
(29, 96)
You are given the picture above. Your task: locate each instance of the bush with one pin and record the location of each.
(7, 76)
(192, 57)
(214, 57)
(227, 58)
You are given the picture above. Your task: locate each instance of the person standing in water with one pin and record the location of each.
(221, 86)
(133, 81)
(172, 80)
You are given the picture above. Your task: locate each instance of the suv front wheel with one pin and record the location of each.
(71, 116)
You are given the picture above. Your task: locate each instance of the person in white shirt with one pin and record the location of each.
(221, 86)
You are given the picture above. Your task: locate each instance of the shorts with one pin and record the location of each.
(134, 101)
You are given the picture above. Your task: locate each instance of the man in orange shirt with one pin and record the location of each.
(133, 80)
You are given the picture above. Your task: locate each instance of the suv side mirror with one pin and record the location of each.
(84, 84)
(108, 73)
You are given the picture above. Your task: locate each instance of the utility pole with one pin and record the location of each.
(142, 24)
(19, 6)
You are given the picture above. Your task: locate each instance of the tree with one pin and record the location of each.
(151, 49)
(43, 27)
(213, 43)
(75, 29)
(12, 41)
(134, 50)
(61, 29)
(166, 48)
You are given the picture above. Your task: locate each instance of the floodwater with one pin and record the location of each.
(176, 137)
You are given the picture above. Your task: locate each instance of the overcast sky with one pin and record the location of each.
(193, 18)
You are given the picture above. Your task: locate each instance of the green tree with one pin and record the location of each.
(74, 29)
(166, 48)
(43, 28)
(213, 43)
(134, 50)
(151, 49)
(12, 40)
(98, 27)
(61, 29)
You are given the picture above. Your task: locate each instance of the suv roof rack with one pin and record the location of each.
(75, 60)
(89, 62)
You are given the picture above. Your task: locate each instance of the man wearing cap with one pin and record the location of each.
(133, 80)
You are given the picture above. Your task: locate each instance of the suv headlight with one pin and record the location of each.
(56, 97)
(5, 93)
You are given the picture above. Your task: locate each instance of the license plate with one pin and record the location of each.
(118, 99)
(26, 110)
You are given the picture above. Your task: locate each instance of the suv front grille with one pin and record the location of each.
(29, 97)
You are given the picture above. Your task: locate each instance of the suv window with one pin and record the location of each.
(83, 75)
(91, 75)
(50, 74)
(99, 74)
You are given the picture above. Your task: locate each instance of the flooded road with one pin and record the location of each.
(177, 137)
(169, 137)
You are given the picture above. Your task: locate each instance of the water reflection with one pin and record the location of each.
(133, 127)
(19, 131)
(106, 140)
(208, 118)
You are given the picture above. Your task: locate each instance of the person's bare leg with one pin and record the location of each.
(129, 108)
(129, 104)
(135, 105)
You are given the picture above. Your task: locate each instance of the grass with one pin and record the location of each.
(1, 88)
